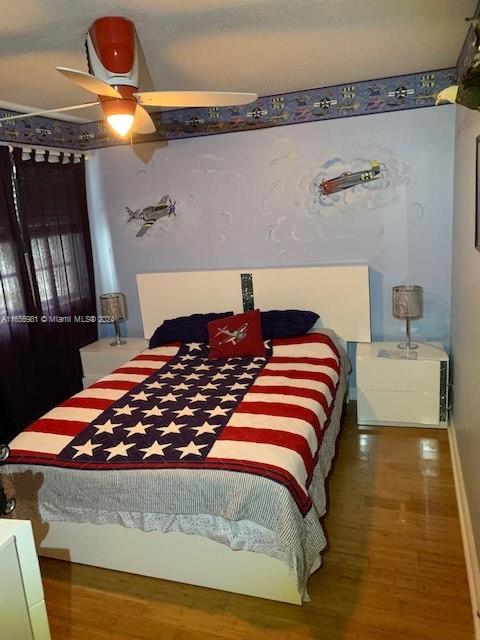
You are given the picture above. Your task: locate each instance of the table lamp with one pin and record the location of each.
(114, 306)
(407, 304)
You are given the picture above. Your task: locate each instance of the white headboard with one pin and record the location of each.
(339, 294)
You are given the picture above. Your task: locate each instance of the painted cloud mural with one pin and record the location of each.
(312, 215)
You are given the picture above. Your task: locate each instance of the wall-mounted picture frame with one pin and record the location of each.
(477, 198)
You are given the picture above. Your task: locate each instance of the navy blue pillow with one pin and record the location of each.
(286, 324)
(185, 329)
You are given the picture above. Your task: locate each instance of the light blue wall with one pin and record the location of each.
(250, 199)
(466, 321)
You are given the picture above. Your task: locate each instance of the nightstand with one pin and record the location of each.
(23, 612)
(409, 390)
(99, 358)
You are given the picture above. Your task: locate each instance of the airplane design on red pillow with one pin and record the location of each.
(234, 336)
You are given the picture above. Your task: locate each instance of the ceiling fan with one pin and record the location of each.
(113, 62)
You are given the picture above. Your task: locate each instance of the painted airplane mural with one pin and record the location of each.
(348, 180)
(149, 215)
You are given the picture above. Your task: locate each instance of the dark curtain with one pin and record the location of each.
(17, 367)
(53, 267)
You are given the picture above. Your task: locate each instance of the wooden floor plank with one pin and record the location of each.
(394, 567)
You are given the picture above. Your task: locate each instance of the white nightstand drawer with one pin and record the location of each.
(397, 407)
(100, 359)
(403, 375)
(100, 363)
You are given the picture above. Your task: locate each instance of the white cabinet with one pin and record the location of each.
(100, 358)
(23, 615)
(402, 388)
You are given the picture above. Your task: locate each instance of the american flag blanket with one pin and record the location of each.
(172, 407)
(190, 435)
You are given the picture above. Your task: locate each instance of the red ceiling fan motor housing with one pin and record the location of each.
(114, 42)
(112, 54)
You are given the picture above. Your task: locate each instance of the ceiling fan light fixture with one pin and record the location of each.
(121, 123)
(120, 113)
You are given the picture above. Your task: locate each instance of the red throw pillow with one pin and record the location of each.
(235, 336)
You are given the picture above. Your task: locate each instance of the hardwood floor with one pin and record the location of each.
(394, 568)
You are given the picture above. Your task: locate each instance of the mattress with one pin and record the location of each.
(237, 450)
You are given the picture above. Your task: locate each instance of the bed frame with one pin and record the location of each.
(340, 295)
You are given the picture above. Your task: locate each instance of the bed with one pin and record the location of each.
(237, 504)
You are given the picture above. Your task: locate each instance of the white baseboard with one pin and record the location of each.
(469, 548)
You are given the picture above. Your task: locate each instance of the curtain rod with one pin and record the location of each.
(49, 153)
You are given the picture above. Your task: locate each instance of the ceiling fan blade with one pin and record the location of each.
(86, 105)
(89, 82)
(194, 98)
(143, 122)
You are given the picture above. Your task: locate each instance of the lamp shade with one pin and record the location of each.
(407, 301)
(114, 306)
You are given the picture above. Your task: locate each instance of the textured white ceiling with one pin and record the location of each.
(266, 46)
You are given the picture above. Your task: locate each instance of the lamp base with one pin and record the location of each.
(407, 347)
(118, 341)
(117, 344)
